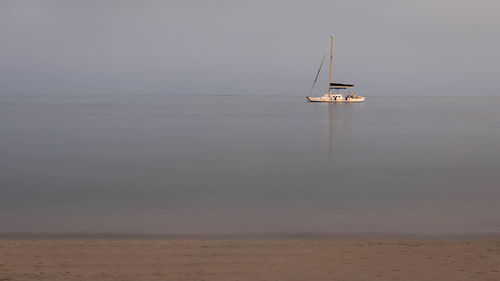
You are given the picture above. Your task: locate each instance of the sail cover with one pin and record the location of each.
(340, 85)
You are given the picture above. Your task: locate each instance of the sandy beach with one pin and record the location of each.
(250, 259)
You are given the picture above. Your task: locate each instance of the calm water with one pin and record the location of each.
(248, 164)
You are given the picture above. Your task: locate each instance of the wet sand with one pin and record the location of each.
(250, 259)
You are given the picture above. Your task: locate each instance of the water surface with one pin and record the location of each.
(226, 164)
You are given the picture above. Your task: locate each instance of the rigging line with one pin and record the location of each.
(319, 70)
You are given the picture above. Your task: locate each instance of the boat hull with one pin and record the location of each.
(341, 100)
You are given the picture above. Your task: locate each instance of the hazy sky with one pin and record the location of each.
(233, 47)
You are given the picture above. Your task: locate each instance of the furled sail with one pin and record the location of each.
(341, 85)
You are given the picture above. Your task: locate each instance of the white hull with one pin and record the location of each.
(338, 99)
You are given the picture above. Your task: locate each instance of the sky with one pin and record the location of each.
(387, 47)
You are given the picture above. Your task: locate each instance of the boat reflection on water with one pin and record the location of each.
(330, 140)
(341, 127)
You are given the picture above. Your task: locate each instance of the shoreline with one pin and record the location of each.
(250, 236)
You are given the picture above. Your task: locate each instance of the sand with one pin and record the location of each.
(250, 259)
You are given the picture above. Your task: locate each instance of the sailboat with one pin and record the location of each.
(335, 90)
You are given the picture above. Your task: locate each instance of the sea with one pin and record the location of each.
(207, 164)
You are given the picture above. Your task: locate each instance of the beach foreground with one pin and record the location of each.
(250, 259)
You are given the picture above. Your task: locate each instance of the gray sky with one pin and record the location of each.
(233, 47)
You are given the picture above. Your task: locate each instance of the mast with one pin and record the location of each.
(331, 67)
